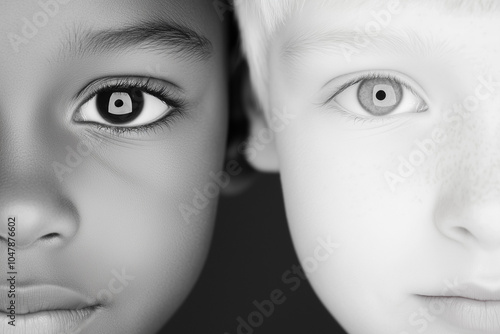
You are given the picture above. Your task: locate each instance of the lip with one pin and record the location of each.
(469, 306)
(46, 309)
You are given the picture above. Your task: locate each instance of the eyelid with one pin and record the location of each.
(354, 78)
(167, 92)
(93, 87)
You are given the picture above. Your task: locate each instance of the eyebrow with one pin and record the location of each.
(157, 36)
(340, 41)
(396, 40)
(470, 6)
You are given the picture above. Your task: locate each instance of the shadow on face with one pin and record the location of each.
(113, 119)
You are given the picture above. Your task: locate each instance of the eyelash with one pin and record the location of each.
(159, 91)
(371, 75)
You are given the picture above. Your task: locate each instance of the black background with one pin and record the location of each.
(251, 250)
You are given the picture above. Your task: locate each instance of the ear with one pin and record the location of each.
(260, 147)
(238, 124)
(248, 138)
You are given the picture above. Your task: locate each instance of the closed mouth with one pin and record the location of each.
(45, 309)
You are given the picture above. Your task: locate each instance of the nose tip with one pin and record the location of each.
(45, 221)
(477, 224)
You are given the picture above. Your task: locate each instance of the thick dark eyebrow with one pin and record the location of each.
(161, 37)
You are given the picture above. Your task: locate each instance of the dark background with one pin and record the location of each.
(251, 247)
(251, 250)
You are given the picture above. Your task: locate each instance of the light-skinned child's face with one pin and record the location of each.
(391, 155)
(102, 186)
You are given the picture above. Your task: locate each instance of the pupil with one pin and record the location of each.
(380, 95)
(132, 99)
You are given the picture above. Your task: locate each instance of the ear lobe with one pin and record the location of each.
(260, 147)
(250, 141)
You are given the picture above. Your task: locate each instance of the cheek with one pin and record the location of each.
(388, 247)
(334, 176)
(146, 208)
(464, 162)
(335, 189)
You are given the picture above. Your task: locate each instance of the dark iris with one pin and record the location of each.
(120, 106)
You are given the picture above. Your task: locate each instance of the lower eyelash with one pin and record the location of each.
(362, 120)
(359, 119)
(166, 121)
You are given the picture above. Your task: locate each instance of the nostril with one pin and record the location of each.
(44, 217)
(49, 236)
(461, 233)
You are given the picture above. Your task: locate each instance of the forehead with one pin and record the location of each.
(468, 6)
(102, 12)
(43, 26)
(466, 29)
(41, 38)
(346, 10)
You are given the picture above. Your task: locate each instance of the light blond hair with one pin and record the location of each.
(258, 21)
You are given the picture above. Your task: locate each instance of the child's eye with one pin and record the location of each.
(378, 95)
(128, 105)
(119, 107)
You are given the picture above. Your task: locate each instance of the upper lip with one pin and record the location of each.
(33, 299)
(472, 290)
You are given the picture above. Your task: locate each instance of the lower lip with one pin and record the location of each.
(478, 315)
(49, 322)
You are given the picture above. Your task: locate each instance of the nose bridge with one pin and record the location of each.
(21, 156)
(29, 188)
(480, 163)
(468, 205)
(471, 155)
(32, 136)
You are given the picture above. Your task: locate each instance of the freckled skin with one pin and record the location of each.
(118, 208)
(438, 224)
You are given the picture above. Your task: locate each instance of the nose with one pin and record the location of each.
(467, 206)
(473, 224)
(43, 217)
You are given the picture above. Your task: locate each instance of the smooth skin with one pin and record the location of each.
(438, 225)
(117, 210)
